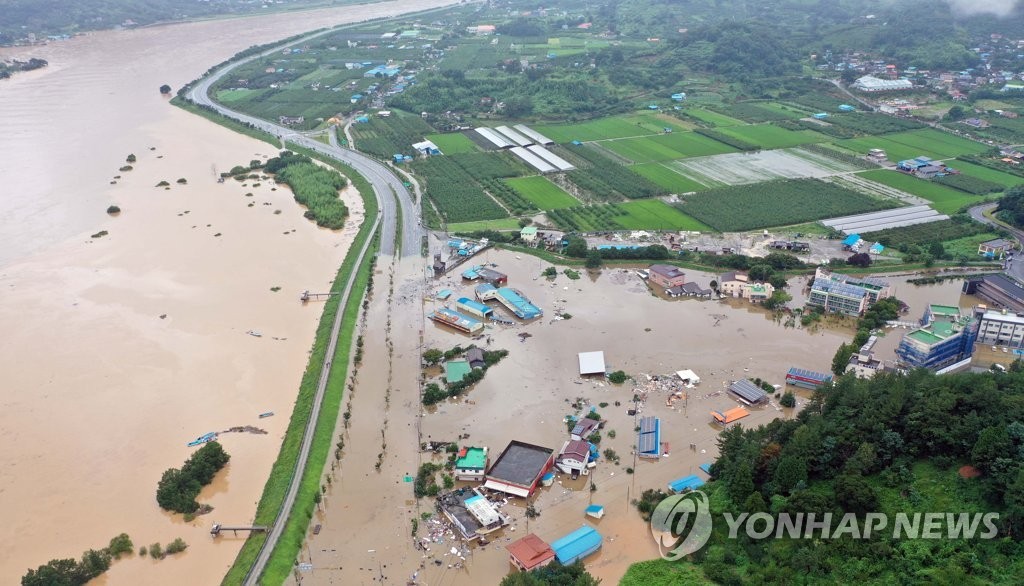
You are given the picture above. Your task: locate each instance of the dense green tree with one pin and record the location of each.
(554, 574)
(841, 360)
(593, 259)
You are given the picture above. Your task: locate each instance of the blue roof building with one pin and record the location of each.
(852, 240)
(876, 248)
(649, 438)
(679, 97)
(517, 304)
(691, 482)
(577, 545)
(846, 108)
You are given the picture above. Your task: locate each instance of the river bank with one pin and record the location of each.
(120, 349)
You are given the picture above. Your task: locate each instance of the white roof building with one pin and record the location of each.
(870, 83)
(592, 362)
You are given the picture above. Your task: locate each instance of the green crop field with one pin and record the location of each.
(667, 178)
(543, 193)
(713, 118)
(773, 137)
(643, 149)
(777, 203)
(895, 151)
(502, 224)
(657, 123)
(228, 96)
(654, 214)
(993, 175)
(944, 199)
(600, 129)
(453, 143)
(945, 144)
(691, 144)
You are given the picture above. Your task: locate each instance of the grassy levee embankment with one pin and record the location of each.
(283, 470)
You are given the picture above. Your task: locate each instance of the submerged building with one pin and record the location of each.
(998, 289)
(519, 468)
(846, 294)
(945, 338)
(471, 463)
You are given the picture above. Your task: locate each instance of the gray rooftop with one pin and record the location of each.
(748, 391)
(520, 463)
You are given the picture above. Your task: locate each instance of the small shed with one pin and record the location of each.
(730, 415)
(475, 357)
(748, 392)
(584, 427)
(688, 376)
(706, 468)
(592, 362)
(528, 234)
(595, 511)
(577, 545)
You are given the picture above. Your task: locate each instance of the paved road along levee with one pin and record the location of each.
(1014, 268)
(394, 202)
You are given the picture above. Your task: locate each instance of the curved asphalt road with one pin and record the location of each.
(386, 185)
(394, 202)
(1013, 268)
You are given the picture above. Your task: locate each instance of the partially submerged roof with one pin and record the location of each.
(530, 551)
(577, 544)
(748, 391)
(585, 426)
(471, 457)
(667, 271)
(688, 375)
(691, 482)
(520, 464)
(649, 437)
(576, 449)
(727, 417)
(592, 362)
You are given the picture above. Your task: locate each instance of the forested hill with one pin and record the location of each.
(918, 443)
(43, 18)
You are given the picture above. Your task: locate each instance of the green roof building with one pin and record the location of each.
(456, 370)
(471, 464)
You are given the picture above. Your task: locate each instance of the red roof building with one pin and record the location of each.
(530, 552)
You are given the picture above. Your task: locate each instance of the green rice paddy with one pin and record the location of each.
(667, 178)
(542, 193)
(773, 137)
(654, 214)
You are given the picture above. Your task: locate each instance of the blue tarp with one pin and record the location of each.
(691, 482)
(577, 545)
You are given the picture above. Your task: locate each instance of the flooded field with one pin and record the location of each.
(742, 168)
(525, 397)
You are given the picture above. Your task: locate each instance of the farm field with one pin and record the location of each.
(753, 167)
(657, 123)
(943, 143)
(713, 118)
(502, 224)
(600, 129)
(993, 175)
(641, 150)
(542, 193)
(773, 137)
(894, 150)
(453, 143)
(945, 200)
(655, 214)
(664, 176)
(777, 203)
(458, 197)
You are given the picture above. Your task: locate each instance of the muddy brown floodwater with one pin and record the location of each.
(118, 350)
(526, 397)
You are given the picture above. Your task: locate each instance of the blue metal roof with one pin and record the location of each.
(649, 440)
(690, 482)
(577, 545)
(706, 467)
(810, 374)
(851, 240)
(473, 304)
(522, 308)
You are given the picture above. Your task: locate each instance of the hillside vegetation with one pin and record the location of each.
(892, 445)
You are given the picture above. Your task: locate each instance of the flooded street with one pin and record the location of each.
(525, 397)
(120, 348)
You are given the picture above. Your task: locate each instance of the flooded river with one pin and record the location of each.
(119, 349)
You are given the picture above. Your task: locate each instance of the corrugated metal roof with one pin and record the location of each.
(690, 482)
(576, 545)
(809, 374)
(748, 391)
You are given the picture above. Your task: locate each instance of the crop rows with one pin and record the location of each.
(847, 158)
(586, 218)
(736, 143)
(751, 112)
(829, 129)
(608, 181)
(485, 165)
(867, 123)
(776, 203)
(918, 234)
(457, 195)
(512, 199)
(384, 137)
(969, 184)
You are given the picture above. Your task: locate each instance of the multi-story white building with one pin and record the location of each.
(1001, 328)
(738, 284)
